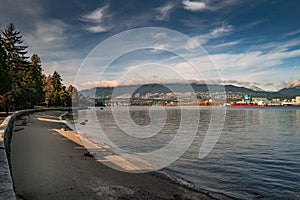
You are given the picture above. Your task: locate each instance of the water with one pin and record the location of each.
(257, 155)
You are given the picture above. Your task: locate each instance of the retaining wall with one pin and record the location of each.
(6, 182)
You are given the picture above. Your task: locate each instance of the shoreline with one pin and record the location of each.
(40, 153)
(163, 174)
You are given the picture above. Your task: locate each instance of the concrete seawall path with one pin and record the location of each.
(6, 185)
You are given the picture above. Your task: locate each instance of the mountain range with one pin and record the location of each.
(180, 87)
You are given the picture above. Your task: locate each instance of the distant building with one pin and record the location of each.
(260, 101)
(275, 102)
(298, 99)
(247, 99)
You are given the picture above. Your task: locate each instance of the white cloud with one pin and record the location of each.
(47, 37)
(194, 5)
(297, 67)
(206, 5)
(136, 81)
(96, 20)
(105, 83)
(260, 65)
(276, 46)
(50, 31)
(218, 32)
(227, 44)
(94, 16)
(96, 28)
(244, 69)
(292, 33)
(253, 66)
(254, 60)
(160, 36)
(164, 11)
(294, 82)
(255, 23)
(192, 43)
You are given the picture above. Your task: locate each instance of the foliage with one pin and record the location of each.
(22, 84)
(56, 81)
(5, 81)
(56, 94)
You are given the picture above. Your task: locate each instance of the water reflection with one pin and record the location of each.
(258, 149)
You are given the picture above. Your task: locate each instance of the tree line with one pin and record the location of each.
(22, 82)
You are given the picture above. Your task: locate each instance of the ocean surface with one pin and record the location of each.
(256, 156)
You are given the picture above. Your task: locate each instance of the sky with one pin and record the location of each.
(246, 43)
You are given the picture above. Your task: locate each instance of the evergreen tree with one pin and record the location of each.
(56, 81)
(55, 93)
(55, 100)
(5, 79)
(16, 60)
(64, 97)
(57, 87)
(4, 75)
(22, 84)
(34, 77)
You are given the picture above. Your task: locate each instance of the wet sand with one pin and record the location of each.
(49, 162)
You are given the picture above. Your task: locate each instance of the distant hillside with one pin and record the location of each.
(179, 87)
(294, 91)
(101, 91)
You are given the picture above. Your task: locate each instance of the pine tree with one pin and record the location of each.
(22, 84)
(57, 86)
(35, 83)
(4, 75)
(64, 97)
(5, 79)
(56, 81)
(17, 63)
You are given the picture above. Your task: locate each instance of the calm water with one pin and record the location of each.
(257, 155)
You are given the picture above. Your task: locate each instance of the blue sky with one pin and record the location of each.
(252, 43)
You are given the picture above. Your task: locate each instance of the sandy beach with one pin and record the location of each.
(3, 115)
(49, 162)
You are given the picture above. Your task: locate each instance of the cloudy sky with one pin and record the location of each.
(250, 43)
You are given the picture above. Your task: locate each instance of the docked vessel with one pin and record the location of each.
(247, 104)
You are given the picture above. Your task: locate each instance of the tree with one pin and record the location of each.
(73, 96)
(48, 89)
(64, 97)
(35, 82)
(60, 97)
(57, 87)
(56, 81)
(56, 93)
(5, 79)
(22, 84)
(17, 63)
(55, 100)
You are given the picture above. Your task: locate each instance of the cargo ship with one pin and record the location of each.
(247, 104)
